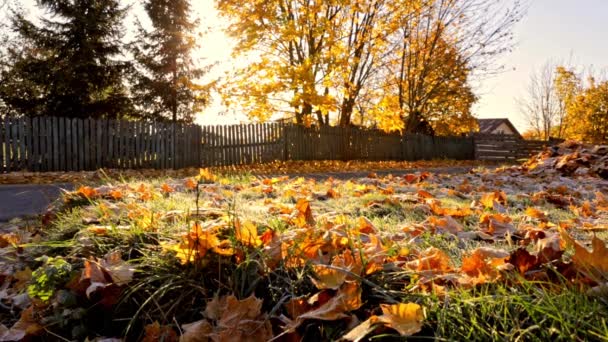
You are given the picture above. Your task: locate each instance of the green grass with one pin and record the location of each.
(172, 293)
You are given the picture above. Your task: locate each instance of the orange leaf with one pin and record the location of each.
(155, 333)
(328, 277)
(535, 213)
(190, 184)
(206, 176)
(87, 191)
(446, 223)
(595, 263)
(424, 194)
(331, 193)
(348, 298)
(166, 188)
(431, 259)
(247, 233)
(364, 225)
(497, 224)
(405, 318)
(116, 194)
(411, 178)
(488, 199)
(198, 331)
(304, 213)
(27, 325)
(485, 263)
(238, 320)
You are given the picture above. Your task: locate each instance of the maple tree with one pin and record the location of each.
(327, 61)
(560, 104)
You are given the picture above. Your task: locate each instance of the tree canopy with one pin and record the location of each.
(68, 64)
(166, 83)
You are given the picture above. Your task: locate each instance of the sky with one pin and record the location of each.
(552, 30)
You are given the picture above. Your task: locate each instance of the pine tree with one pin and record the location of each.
(68, 65)
(166, 85)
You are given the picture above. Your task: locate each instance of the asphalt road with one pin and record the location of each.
(27, 200)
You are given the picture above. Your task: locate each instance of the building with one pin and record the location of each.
(497, 126)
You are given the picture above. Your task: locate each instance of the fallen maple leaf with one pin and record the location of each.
(485, 264)
(247, 233)
(155, 333)
(303, 213)
(87, 192)
(432, 259)
(116, 194)
(198, 331)
(364, 225)
(535, 213)
(190, 184)
(405, 318)
(446, 224)
(331, 193)
(497, 224)
(348, 298)
(27, 325)
(232, 320)
(327, 277)
(488, 199)
(109, 270)
(594, 264)
(166, 189)
(206, 176)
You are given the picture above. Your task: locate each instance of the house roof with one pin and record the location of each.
(487, 126)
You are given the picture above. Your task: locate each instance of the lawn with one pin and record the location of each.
(492, 254)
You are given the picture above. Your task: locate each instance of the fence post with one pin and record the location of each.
(285, 141)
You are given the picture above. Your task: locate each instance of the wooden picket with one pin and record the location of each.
(74, 144)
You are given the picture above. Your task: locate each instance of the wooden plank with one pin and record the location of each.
(86, 134)
(10, 127)
(241, 140)
(252, 143)
(112, 142)
(260, 139)
(221, 144)
(204, 143)
(161, 145)
(21, 132)
(233, 143)
(47, 145)
(264, 147)
(128, 145)
(28, 142)
(35, 146)
(61, 144)
(160, 149)
(215, 145)
(76, 142)
(138, 144)
(153, 146)
(2, 146)
(212, 146)
(80, 143)
(99, 144)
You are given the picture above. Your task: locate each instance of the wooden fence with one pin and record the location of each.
(63, 144)
(506, 147)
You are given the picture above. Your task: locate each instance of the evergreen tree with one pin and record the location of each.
(166, 82)
(68, 65)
